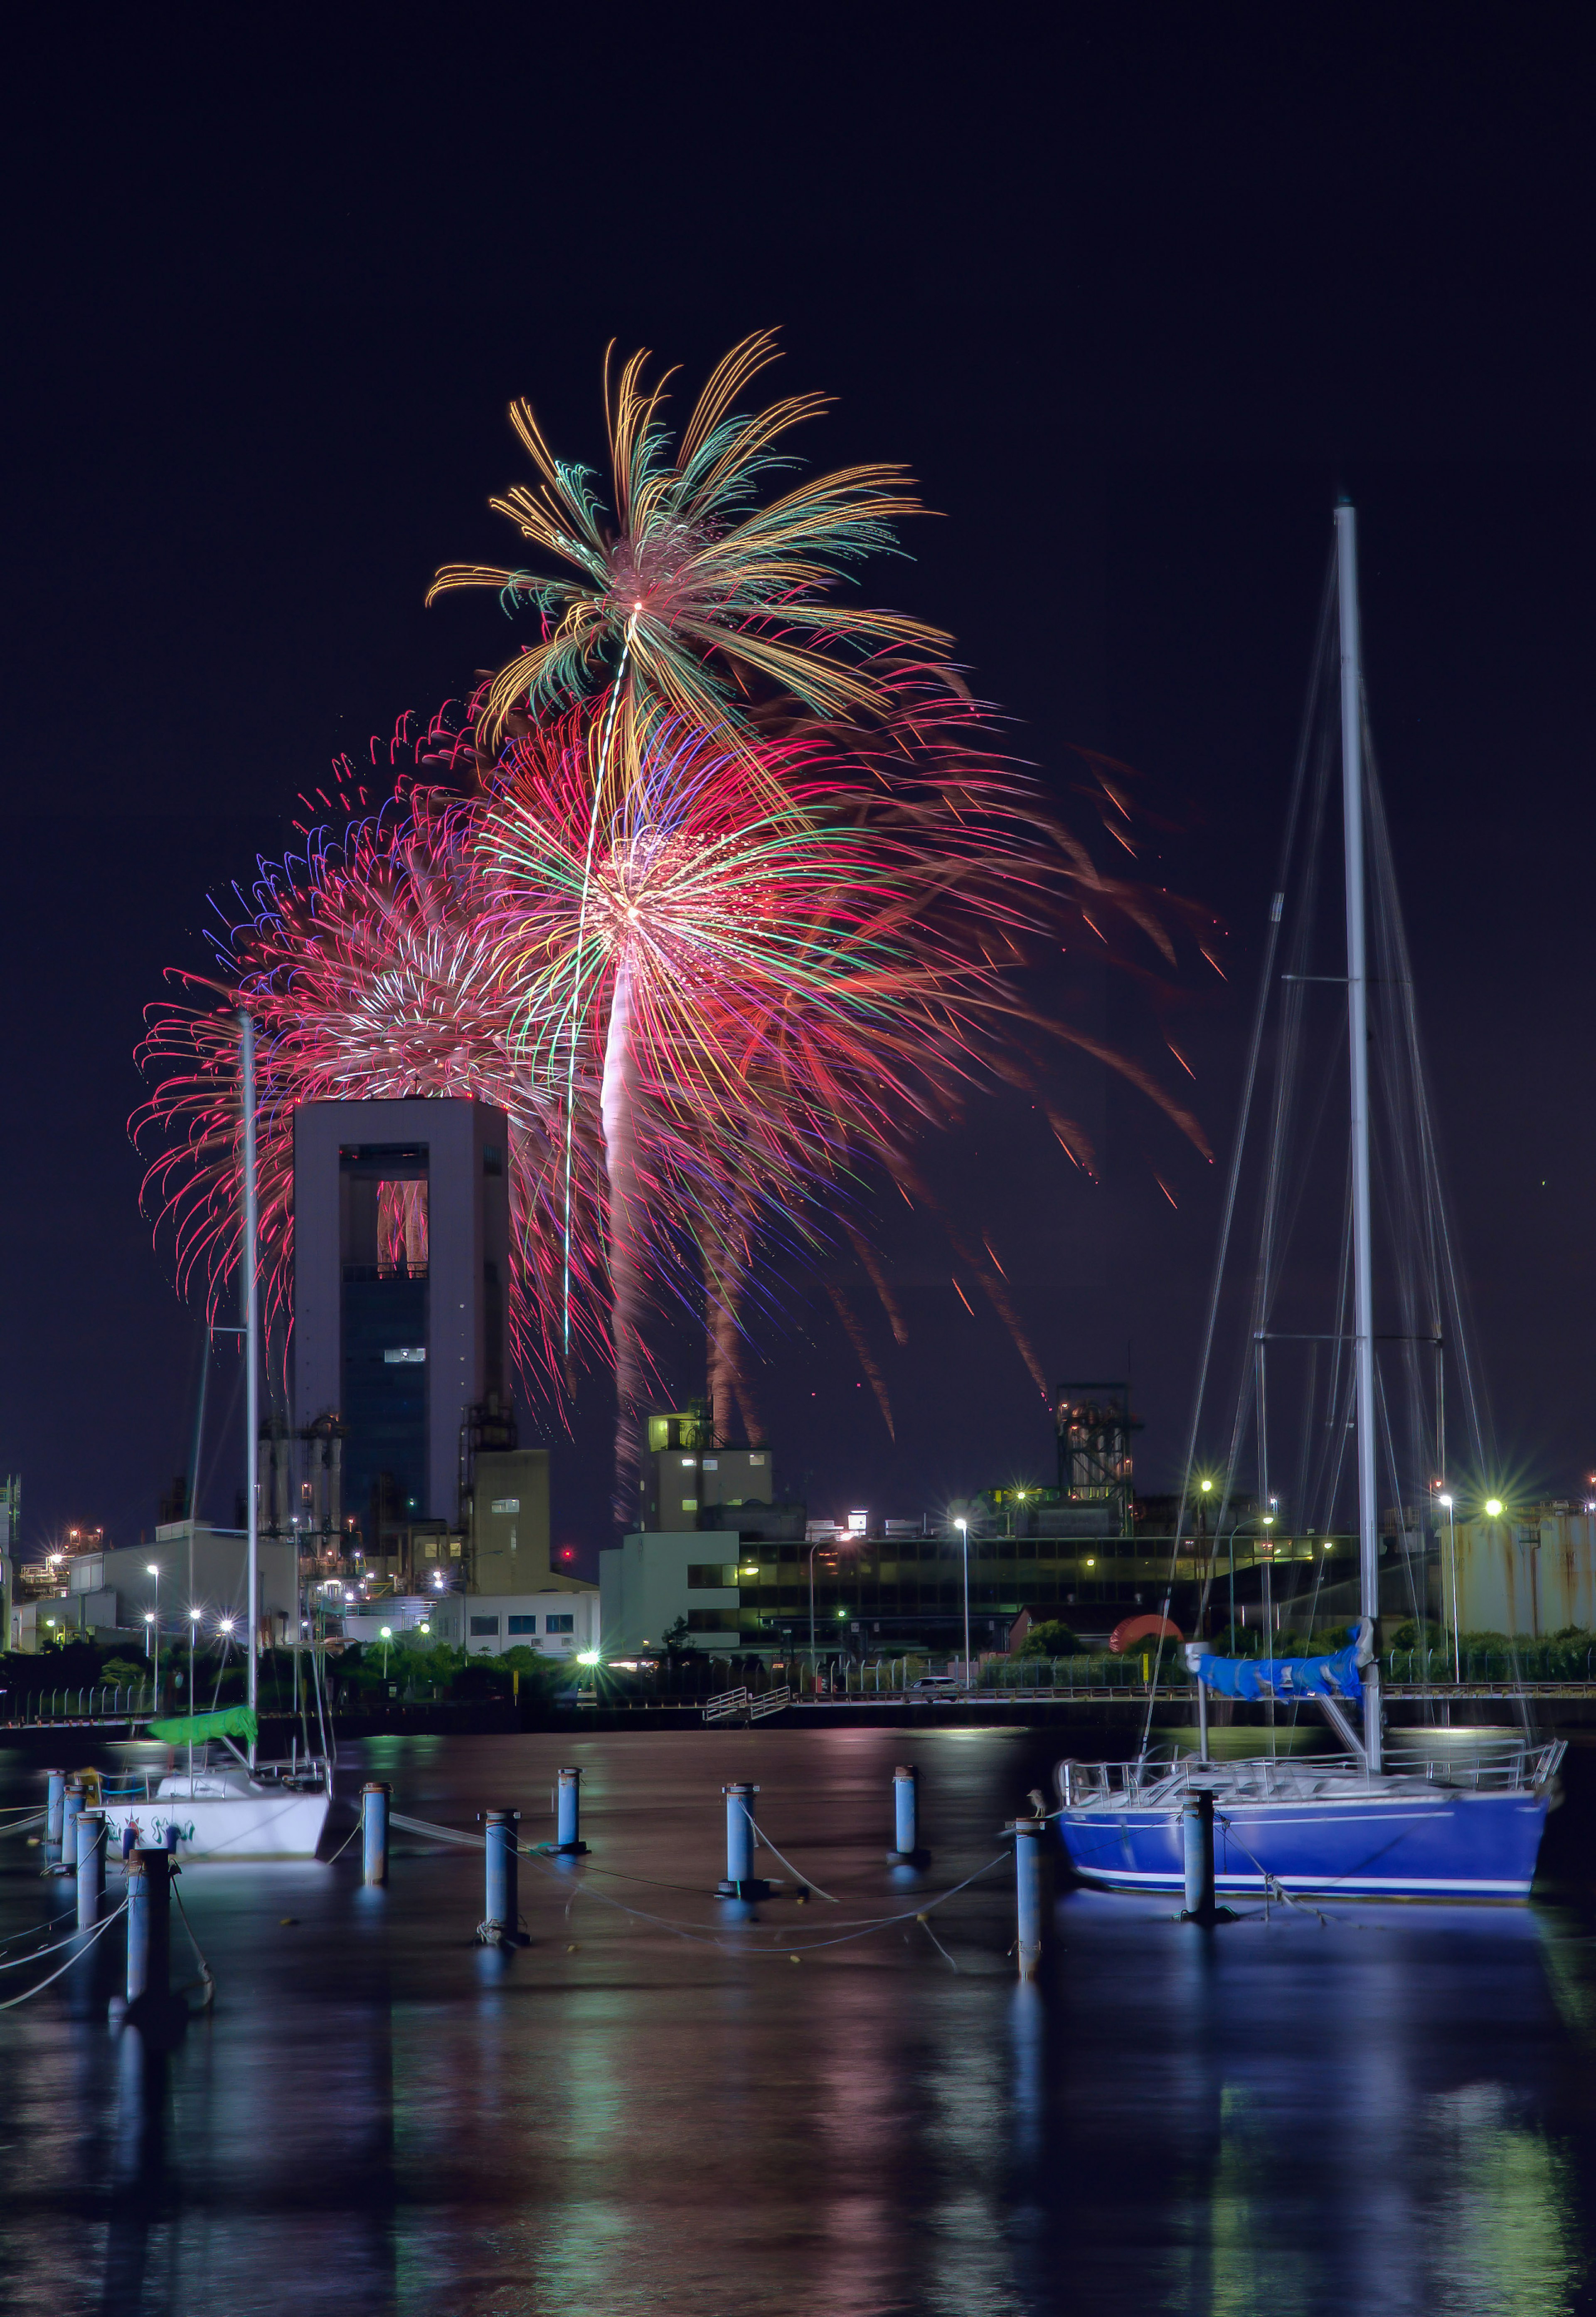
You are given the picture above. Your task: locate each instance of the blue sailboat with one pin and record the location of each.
(1411, 1815)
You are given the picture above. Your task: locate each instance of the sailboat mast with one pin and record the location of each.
(1351, 749)
(251, 1373)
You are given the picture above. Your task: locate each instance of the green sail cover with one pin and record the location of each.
(187, 1728)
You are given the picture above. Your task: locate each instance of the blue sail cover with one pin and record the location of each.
(1257, 1678)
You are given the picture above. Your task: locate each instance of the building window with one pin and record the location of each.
(703, 1575)
(710, 1620)
(688, 1463)
(711, 1463)
(506, 1504)
(492, 1159)
(689, 1504)
(484, 1625)
(522, 1624)
(559, 1625)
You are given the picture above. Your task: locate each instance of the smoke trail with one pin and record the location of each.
(617, 1112)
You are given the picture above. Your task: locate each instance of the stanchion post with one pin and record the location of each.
(92, 1834)
(1030, 1874)
(741, 1881)
(54, 1791)
(150, 1927)
(1197, 1835)
(501, 1921)
(906, 1813)
(71, 1804)
(568, 1819)
(375, 1799)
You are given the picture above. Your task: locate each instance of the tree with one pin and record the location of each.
(1051, 1638)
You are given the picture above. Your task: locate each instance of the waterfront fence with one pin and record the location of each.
(101, 1702)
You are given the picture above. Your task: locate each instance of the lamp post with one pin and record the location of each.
(963, 1527)
(387, 1635)
(1452, 1556)
(153, 1569)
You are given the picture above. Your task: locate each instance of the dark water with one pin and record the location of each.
(1396, 2111)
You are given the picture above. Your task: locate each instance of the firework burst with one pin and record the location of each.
(774, 971)
(700, 599)
(366, 970)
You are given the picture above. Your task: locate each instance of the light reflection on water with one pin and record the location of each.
(1396, 2112)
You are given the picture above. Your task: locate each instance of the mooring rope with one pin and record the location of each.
(807, 1881)
(698, 1934)
(206, 1976)
(12, 2001)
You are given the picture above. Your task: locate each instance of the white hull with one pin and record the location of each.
(272, 1823)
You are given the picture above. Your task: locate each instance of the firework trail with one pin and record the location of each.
(366, 968)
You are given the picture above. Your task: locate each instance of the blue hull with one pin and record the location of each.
(1379, 1843)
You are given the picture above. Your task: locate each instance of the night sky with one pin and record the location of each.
(1133, 299)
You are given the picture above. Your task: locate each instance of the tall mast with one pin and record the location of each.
(251, 1373)
(1352, 756)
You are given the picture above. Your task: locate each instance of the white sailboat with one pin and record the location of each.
(241, 1808)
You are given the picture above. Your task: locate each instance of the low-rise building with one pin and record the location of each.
(562, 1619)
(656, 1579)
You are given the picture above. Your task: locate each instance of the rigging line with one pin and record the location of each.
(1271, 944)
(599, 777)
(1402, 1512)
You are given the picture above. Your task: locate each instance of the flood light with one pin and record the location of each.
(1493, 1507)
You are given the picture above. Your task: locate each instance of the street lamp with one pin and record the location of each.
(387, 1635)
(1494, 1508)
(1452, 1549)
(963, 1527)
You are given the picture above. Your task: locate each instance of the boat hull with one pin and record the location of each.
(277, 1824)
(1429, 1844)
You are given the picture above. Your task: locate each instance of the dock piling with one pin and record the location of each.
(92, 1833)
(568, 1839)
(501, 1922)
(741, 1881)
(374, 1798)
(1197, 1835)
(1029, 1872)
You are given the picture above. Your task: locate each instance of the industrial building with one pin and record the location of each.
(1532, 1571)
(189, 1565)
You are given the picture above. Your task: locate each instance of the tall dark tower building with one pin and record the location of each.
(401, 1279)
